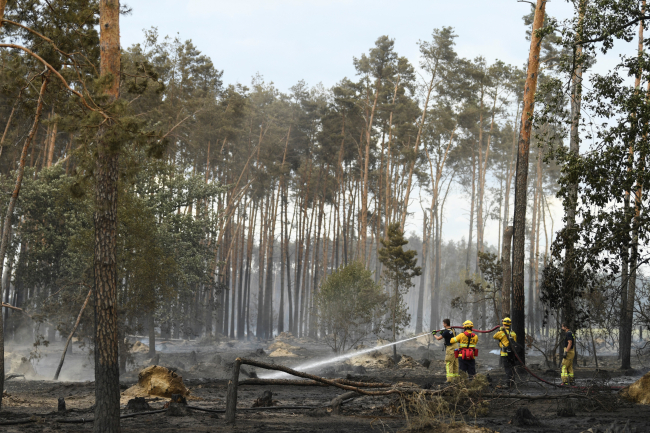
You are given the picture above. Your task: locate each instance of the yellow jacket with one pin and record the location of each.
(465, 341)
(502, 338)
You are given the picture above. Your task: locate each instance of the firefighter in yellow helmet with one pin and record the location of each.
(451, 362)
(467, 351)
(506, 338)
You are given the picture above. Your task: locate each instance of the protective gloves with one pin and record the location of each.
(434, 332)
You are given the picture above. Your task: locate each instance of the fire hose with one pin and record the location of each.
(513, 343)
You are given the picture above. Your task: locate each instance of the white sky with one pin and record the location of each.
(315, 40)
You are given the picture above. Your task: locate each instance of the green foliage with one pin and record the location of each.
(487, 285)
(350, 306)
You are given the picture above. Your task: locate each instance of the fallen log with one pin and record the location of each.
(19, 421)
(329, 382)
(233, 385)
(130, 415)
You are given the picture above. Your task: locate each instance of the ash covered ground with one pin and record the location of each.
(206, 366)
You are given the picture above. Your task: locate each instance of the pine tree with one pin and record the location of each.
(400, 267)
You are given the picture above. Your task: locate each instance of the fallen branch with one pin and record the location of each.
(335, 404)
(130, 415)
(74, 329)
(255, 409)
(316, 378)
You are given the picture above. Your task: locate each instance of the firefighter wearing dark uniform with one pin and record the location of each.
(467, 350)
(451, 362)
(569, 355)
(506, 338)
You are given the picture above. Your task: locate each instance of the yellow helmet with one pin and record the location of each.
(507, 321)
(468, 324)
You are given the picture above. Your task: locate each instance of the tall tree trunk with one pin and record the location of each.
(259, 329)
(268, 295)
(283, 262)
(299, 261)
(305, 285)
(531, 258)
(535, 299)
(509, 175)
(627, 313)
(521, 184)
(506, 287)
(107, 370)
(366, 160)
(420, 304)
(569, 282)
(471, 213)
(433, 303)
(287, 256)
(312, 323)
(479, 189)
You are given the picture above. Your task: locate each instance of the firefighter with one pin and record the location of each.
(451, 362)
(467, 351)
(506, 338)
(567, 358)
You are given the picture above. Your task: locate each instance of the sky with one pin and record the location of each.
(316, 40)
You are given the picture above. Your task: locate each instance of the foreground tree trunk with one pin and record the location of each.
(506, 287)
(107, 371)
(10, 211)
(521, 182)
(630, 256)
(574, 149)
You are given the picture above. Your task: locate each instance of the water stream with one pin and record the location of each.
(315, 364)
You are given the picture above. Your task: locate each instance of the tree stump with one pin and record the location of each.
(231, 398)
(178, 406)
(265, 401)
(61, 404)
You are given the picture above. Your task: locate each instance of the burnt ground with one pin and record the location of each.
(206, 372)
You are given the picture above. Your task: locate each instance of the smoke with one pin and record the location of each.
(316, 364)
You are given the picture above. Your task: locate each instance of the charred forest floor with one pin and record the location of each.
(206, 369)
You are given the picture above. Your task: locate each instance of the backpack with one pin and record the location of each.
(468, 353)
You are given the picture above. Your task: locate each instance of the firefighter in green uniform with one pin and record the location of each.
(451, 362)
(506, 338)
(569, 355)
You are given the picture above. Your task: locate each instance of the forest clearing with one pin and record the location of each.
(430, 239)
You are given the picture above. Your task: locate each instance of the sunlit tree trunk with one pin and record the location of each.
(107, 371)
(521, 183)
